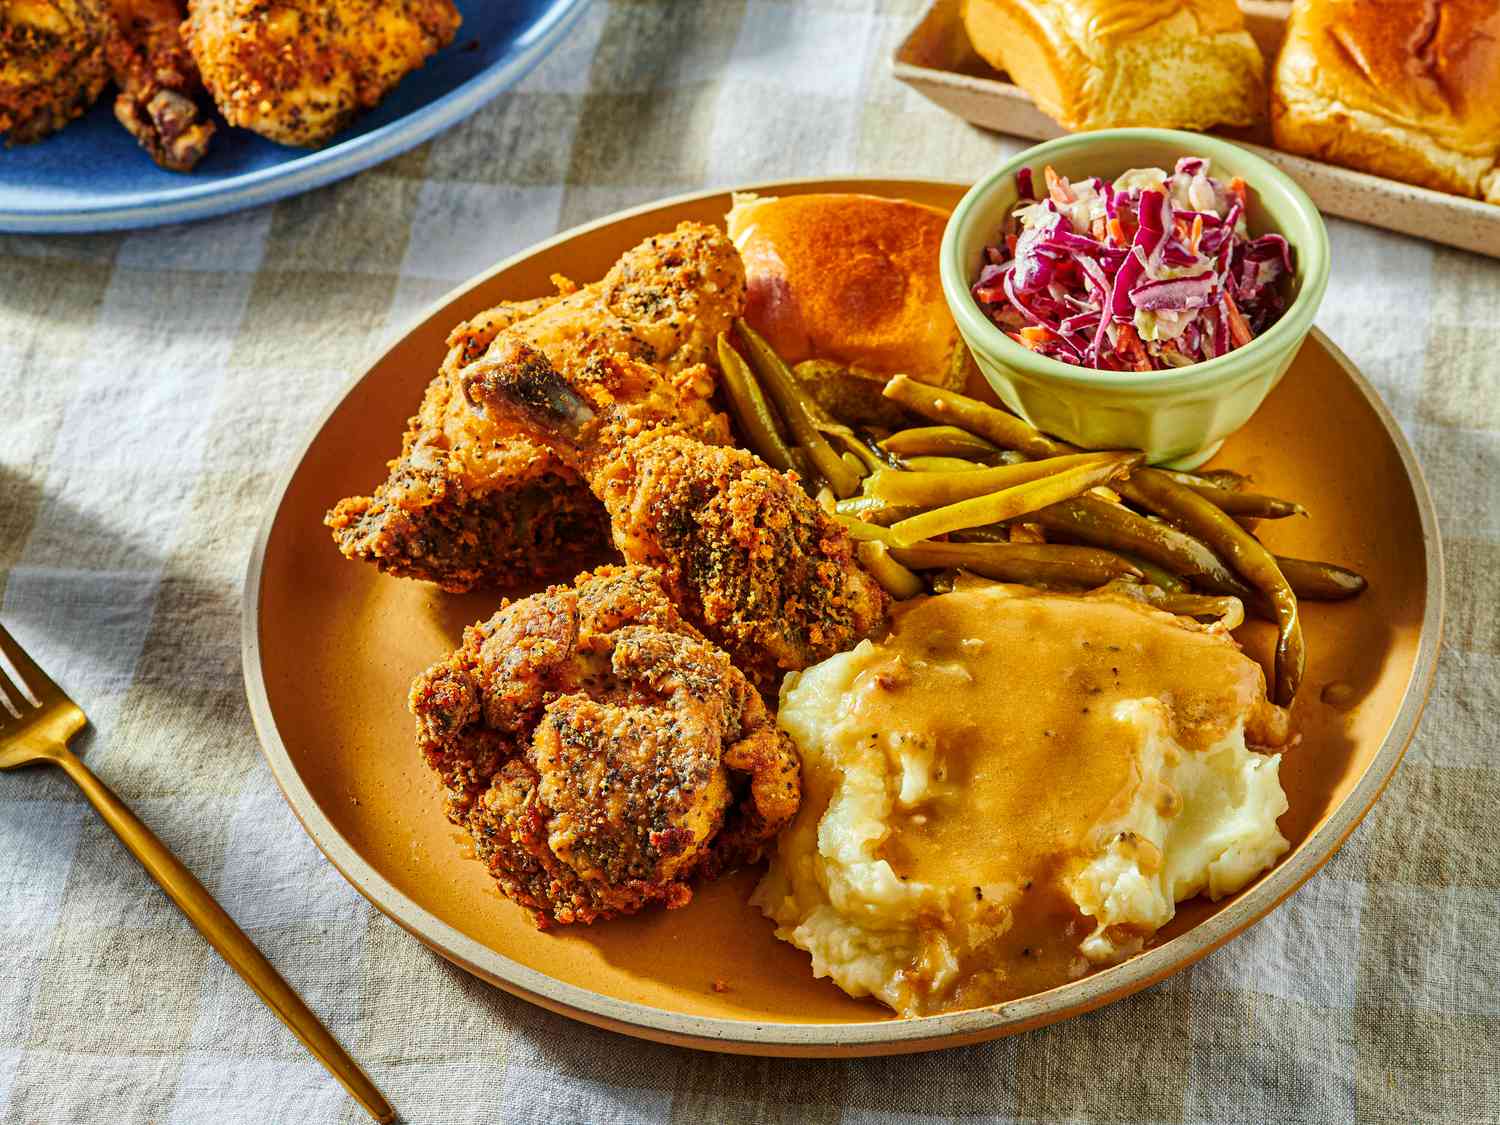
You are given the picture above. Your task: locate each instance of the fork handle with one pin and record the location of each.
(221, 932)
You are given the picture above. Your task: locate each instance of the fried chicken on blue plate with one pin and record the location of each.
(600, 752)
(297, 71)
(159, 89)
(52, 64)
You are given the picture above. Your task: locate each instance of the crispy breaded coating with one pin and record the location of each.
(475, 500)
(469, 505)
(600, 752)
(747, 555)
(297, 71)
(52, 64)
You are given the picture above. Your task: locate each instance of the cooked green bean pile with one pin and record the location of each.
(979, 490)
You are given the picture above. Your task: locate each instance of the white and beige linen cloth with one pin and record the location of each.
(152, 385)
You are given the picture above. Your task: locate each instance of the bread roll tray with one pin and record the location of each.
(937, 59)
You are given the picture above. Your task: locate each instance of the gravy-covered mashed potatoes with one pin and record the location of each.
(1014, 788)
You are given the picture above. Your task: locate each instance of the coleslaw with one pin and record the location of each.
(1150, 272)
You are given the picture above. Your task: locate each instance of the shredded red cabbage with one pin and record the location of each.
(1153, 271)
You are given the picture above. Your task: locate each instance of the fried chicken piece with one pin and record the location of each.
(297, 71)
(600, 752)
(52, 64)
(467, 504)
(750, 559)
(474, 500)
(158, 80)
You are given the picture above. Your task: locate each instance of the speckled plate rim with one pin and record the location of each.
(195, 201)
(891, 1036)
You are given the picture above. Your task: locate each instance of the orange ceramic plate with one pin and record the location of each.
(330, 648)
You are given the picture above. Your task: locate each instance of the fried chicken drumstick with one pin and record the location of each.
(473, 500)
(600, 752)
(749, 558)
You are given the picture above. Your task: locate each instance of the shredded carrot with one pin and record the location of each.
(1237, 189)
(1035, 334)
(1239, 331)
(1116, 232)
(1057, 187)
(1180, 227)
(1010, 244)
(1020, 339)
(1129, 343)
(1097, 228)
(1196, 234)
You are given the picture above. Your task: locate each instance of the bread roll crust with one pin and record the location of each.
(1092, 64)
(849, 278)
(1400, 89)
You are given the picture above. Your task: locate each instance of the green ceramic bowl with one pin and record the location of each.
(1180, 416)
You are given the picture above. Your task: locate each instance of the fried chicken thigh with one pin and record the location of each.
(601, 752)
(297, 71)
(52, 63)
(473, 499)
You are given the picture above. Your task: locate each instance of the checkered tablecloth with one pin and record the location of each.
(151, 387)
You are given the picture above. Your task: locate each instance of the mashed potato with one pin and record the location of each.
(1014, 789)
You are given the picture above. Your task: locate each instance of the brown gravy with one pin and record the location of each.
(1008, 699)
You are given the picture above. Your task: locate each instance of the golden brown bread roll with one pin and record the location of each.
(1093, 64)
(852, 280)
(1403, 88)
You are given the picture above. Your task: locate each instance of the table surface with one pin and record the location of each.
(154, 385)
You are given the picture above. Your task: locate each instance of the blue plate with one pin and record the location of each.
(92, 176)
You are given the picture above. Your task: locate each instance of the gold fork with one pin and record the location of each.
(39, 732)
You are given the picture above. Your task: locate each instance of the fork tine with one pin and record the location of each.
(9, 709)
(35, 684)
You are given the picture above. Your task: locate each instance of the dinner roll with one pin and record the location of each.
(1403, 88)
(850, 278)
(1094, 64)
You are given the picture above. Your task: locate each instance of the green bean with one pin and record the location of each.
(1229, 610)
(953, 409)
(1158, 576)
(940, 465)
(1219, 478)
(990, 533)
(1044, 563)
(1116, 527)
(871, 510)
(862, 531)
(1250, 505)
(812, 480)
(932, 490)
(941, 441)
(1320, 581)
(1163, 495)
(898, 582)
(752, 413)
(869, 463)
(1009, 503)
(790, 400)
